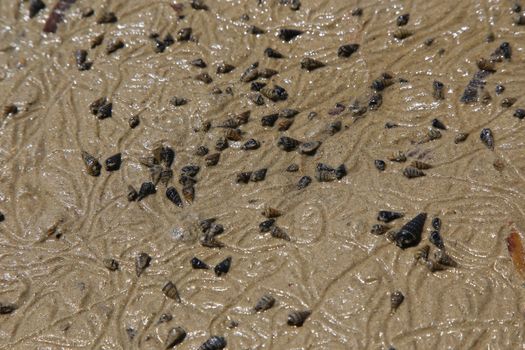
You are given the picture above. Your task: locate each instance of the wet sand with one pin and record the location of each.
(67, 299)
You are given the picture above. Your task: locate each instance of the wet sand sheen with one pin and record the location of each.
(88, 263)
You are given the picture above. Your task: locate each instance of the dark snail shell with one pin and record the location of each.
(148, 162)
(379, 229)
(170, 290)
(165, 176)
(384, 81)
(287, 113)
(375, 101)
(6, 309)
(106, 17)
(267, 73)
(284, 124)
(243, 177)
(113, 162)
(142, 262)
(435, 239)
(297, 318)
(436, 123)
(410, 233)
(164, 318)
(402, 33)
(519, 113)
(292, 168)
(210, 241)
(256, 98)
(201, 151)
(403, 19)
(487, 65)
(269, 120)
(310, 64)
(132, 194)
(205, 224)
(258, 175)
(168, 40)
(304, 182)
(257, 86)
(275, 93)
(436, 223)
(338, 109)
(204, 77)
(214, 343)
(212, 159)
(101, 108)
(309, 148)
(340, 172)
(438, 90)
(295, 5)
(507, 102)
(287, 143)
(460, 137)
(433, 134)
(199, 5)
(173, 196)
(264, 303)
(188, 192)
(215, 229)
(334, 127)
(223, 267)
(420, 165)
(254, 30)
(422, 253)
(487, 138)
(444, 259)
(198, 62)
(272, 53)
(146, 189)
(164, 155)
(411, 172)
(380, 164)
(398, 157)
(325, 173)
(278, 232)
(289, 34)
(35, 6)
(434, 266)
(347, 50)
(251, 144)
(233, 134)
(155, 172)
(387, 216)
(198, 264)
(190, 170)
(81, 59)
(175, 337)
(185, 180)
(396, 299)
(92, 165)
(224, 68)
(504, 50)
(111, 264)
(184, 34)
(97, 40)
(266, 225)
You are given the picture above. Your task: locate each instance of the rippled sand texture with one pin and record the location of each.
(67, 299)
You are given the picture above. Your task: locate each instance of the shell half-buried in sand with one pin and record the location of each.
(410, 233)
